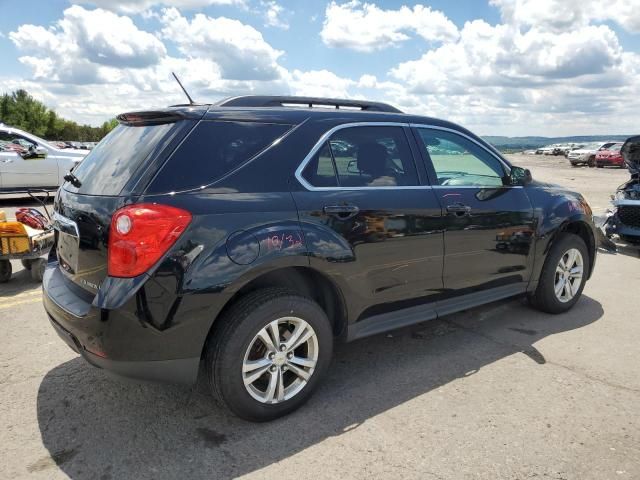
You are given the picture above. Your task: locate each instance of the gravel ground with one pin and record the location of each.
(499, 392)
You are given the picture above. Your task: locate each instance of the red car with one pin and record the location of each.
(610, 156)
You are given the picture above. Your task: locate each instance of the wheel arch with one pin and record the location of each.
(305, 281)
(582, 229)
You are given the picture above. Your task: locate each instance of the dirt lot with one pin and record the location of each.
(497, 392)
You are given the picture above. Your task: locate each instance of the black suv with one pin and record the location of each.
(241, 239)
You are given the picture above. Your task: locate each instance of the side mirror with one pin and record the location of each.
(40, 152)
(520, 176)
(34, 152)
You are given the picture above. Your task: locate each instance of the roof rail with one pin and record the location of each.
(285, 101)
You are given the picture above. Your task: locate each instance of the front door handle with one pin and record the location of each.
(341, 211)
(459, 209)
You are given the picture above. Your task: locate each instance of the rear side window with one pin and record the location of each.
(372, 156)
(212, 150)
(110, 165)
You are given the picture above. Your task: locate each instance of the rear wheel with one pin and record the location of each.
(563, 275)
(5, 271)
(37, 269)
(269, 353)
(591, 162)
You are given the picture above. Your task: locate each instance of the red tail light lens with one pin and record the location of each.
(140, 234)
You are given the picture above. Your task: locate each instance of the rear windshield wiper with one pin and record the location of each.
(75, 181)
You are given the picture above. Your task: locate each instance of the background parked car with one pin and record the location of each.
(27, 161)
(587, 154)
(610, 156)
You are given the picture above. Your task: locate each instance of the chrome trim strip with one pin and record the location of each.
(327, 134)
(477, 187)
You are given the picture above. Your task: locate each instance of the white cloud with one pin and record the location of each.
(366, 27)
(274, 15)
(501, 55)
(566, 15)
(84, 46)
(319, 83)
(239, 49)
(140, 6)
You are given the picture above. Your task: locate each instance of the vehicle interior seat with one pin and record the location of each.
(372, 161)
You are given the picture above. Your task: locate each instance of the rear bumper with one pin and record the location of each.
(169, 371)
(97, 335)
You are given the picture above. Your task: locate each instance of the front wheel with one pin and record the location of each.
(563, 275)
(268, 354)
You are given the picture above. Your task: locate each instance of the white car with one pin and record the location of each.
(42, 166)
(587, 154)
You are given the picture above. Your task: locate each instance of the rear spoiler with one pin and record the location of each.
(158, 117)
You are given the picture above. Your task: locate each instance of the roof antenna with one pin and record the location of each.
(191, 102)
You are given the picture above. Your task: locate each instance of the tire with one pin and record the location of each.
(545, 298)
(26, 263)
(5, 271)
(591, 162)
(235, 341)
(37, 269)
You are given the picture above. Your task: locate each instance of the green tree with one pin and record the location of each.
(21, 110)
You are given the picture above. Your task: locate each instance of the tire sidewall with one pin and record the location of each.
(228, 367)
(5, 271)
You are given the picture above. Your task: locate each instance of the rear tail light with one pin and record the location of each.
(141, 234)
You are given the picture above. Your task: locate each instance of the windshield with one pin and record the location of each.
(110, 165)
(37, 139)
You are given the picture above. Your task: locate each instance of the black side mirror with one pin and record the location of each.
(520, 176)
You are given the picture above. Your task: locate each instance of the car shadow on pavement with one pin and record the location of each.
(98, 427)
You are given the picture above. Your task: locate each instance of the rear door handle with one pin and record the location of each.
(459, 209)
(341, 211)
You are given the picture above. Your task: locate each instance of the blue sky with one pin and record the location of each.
(500, 67)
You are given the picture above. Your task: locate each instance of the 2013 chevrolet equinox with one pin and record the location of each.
(244, 237)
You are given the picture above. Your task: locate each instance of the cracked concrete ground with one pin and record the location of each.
(499, 392)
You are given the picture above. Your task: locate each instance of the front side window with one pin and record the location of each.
(371, 156)
(458, 161)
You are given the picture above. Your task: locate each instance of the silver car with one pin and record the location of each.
(587, 154)
(42, 165)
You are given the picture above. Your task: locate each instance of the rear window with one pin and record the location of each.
(110, 165)
(212, 150)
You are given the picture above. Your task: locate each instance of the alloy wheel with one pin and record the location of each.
(568, 276)
(280, 360)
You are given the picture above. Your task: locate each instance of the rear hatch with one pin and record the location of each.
(109, 177)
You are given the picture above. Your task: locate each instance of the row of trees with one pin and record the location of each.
(21, 110)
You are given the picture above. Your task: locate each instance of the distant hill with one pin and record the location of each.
(526, 143)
